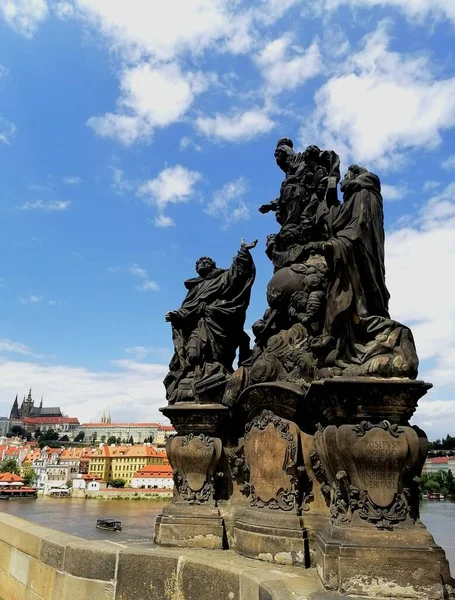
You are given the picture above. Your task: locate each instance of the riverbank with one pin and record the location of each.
(129, 494)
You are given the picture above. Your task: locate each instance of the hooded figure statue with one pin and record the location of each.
(357, 313)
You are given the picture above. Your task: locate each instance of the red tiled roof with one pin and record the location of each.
(440, 460)
(51, 421)
(120, 425)
(10, 478)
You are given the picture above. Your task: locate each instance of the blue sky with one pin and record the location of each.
(136, 136)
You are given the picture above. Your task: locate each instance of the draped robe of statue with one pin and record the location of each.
(211, 321)
(357, 312)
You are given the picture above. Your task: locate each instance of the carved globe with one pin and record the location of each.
(284, 283)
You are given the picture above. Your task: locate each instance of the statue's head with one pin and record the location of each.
(353, 172)
(205, 265)
(311, 153)
(284, 153)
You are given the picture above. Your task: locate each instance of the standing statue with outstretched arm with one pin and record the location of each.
(207, 329)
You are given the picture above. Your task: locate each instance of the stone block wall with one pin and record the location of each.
(38, 563)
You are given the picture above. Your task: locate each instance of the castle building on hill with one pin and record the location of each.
(29, 410)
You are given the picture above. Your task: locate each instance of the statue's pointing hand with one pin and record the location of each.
(248, 246)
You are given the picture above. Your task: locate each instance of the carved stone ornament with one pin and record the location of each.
(371, 470)
(194, 459)
(239, 470)
(271, 454)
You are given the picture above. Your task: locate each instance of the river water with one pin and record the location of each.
(78, 517)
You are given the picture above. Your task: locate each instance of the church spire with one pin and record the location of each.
(14, 414)
(41, 403)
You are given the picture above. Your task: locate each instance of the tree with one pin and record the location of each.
(64, 438)
(103, 439)
(49, 435)
(117, 483)
(80, 437)
(18, 430)
(10, 465)
(29, 475)
(94, 437)
(38, 434)
(112, 439)
(449, 487)
(131, 441)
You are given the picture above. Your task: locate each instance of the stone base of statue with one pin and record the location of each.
(193, 519)
(400, 563)
(375, 544)
(279, 481)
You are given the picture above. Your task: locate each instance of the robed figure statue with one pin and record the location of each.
(207, 329)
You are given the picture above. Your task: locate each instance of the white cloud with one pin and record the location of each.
(284, 73)
(138, 271)
(32, 299)
(419, 259)
(163, 221)
(56, 206)
(132, 390)
(228, 202)
(151, 97)
(64, 10)
(71, 180)
(414, 9)
(172, 185)
(3, 71)
(391, 193)
(187, 142)
(381, 104)
(430, 186)
(163, 31)
(24, 16)
(147, 286)
(449, 163)
(12, 347)
(240, 126)
(435, 417)
(119, 183)
(7, 131)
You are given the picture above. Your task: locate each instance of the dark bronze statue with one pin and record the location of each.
(328, 299)
(208, 328)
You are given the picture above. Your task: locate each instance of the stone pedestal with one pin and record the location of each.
(193, 519)
(279, 481)
(375, 544)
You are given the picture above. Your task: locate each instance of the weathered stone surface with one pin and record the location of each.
(41, 578)
(92, 560)
(147, 576)
(53, 548)
(201, 581)
(19, 566)
(273, 537)
(68, 587)
(5, 556)
(11, 588)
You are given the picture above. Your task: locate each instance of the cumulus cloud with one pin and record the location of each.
(7, 131)
(413, 253)
(56, 206)
(171, 186)
(238, 127)
(286, 67)
(228, 202)
(24, 16)
(382, 104)
(132, 390)
(163, 31)
(151, 97)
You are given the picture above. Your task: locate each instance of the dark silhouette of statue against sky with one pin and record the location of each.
(208, 328)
